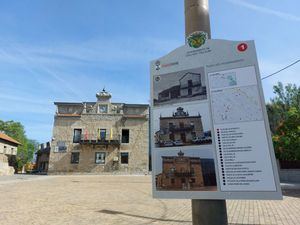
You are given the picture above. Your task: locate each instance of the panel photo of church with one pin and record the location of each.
(182, 126)
(185, 171)
(182, 86)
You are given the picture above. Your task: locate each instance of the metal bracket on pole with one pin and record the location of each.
(204, 212)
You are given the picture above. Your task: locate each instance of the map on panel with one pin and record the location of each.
(220, 80)
(233, 105)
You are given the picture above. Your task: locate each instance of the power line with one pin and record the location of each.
(281, 69)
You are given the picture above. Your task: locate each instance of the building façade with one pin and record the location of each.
(100, 136)
(8, 152)
(184, 173)
(189, 85)
(42, 157)
(180, 126)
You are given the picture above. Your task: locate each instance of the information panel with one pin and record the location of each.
(210, 135)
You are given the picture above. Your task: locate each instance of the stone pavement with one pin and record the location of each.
(111, 199)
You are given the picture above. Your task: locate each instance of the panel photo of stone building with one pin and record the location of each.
(182, 171)
(182, 86)
(179, 126)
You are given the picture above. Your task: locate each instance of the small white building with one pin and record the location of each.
(8, 148)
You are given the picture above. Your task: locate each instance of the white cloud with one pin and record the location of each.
(116, 51)
(257, 8)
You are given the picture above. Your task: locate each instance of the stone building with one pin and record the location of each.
(186, 173)
(180, 173)
(8, 152)
(180, 126)
(42, 157)
(100, 137)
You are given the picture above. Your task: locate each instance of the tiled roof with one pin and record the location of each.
(9, 139)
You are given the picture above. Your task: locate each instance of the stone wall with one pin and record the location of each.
(4, 168)
(289, 175)
(137, 148)
(7, 148)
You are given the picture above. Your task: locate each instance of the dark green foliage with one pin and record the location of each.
(284, 118)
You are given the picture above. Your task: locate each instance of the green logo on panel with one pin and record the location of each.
(197, 39)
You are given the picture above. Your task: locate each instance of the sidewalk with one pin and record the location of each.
(121, 200)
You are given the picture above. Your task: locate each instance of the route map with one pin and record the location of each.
(236, 105)
(220, 80)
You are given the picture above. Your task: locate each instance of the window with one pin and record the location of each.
(190, 83)
(124, 157)
(61, 146)
(77, 135)
(75, 157)
(193, 134)
(125, 136)
(100, 157)
(102, 134)
(102, 108)
(4, 151)
(192, 171)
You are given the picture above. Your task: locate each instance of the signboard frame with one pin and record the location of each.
(238, 58)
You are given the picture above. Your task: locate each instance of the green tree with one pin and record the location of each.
(285, 98)
(287, 136)
(284, 117)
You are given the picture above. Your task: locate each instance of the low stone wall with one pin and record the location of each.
(289, 175)
(4, 168)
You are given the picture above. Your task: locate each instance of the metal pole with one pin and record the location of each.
(196, 17)
(204, 212)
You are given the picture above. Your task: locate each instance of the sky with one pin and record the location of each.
(67, 50)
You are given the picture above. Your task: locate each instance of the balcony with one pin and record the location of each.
(97, 141)
(181, 129)
(173, 174)
(184, 174)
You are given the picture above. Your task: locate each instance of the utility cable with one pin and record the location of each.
(281, 70)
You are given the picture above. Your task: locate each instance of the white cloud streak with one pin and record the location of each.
(257, 8)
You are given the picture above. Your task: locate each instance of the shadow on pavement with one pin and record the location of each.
(291, 193)
(244, 224)
(112, 212)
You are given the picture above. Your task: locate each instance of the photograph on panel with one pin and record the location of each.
(185, 125)
(185, 170)
(182, 86)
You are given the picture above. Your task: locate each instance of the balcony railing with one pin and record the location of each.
(181, 129)
(184, 174)
(180, 174)
(97, 140)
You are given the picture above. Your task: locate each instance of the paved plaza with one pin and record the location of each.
(111, 199)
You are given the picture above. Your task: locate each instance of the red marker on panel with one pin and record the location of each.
(242, 47)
